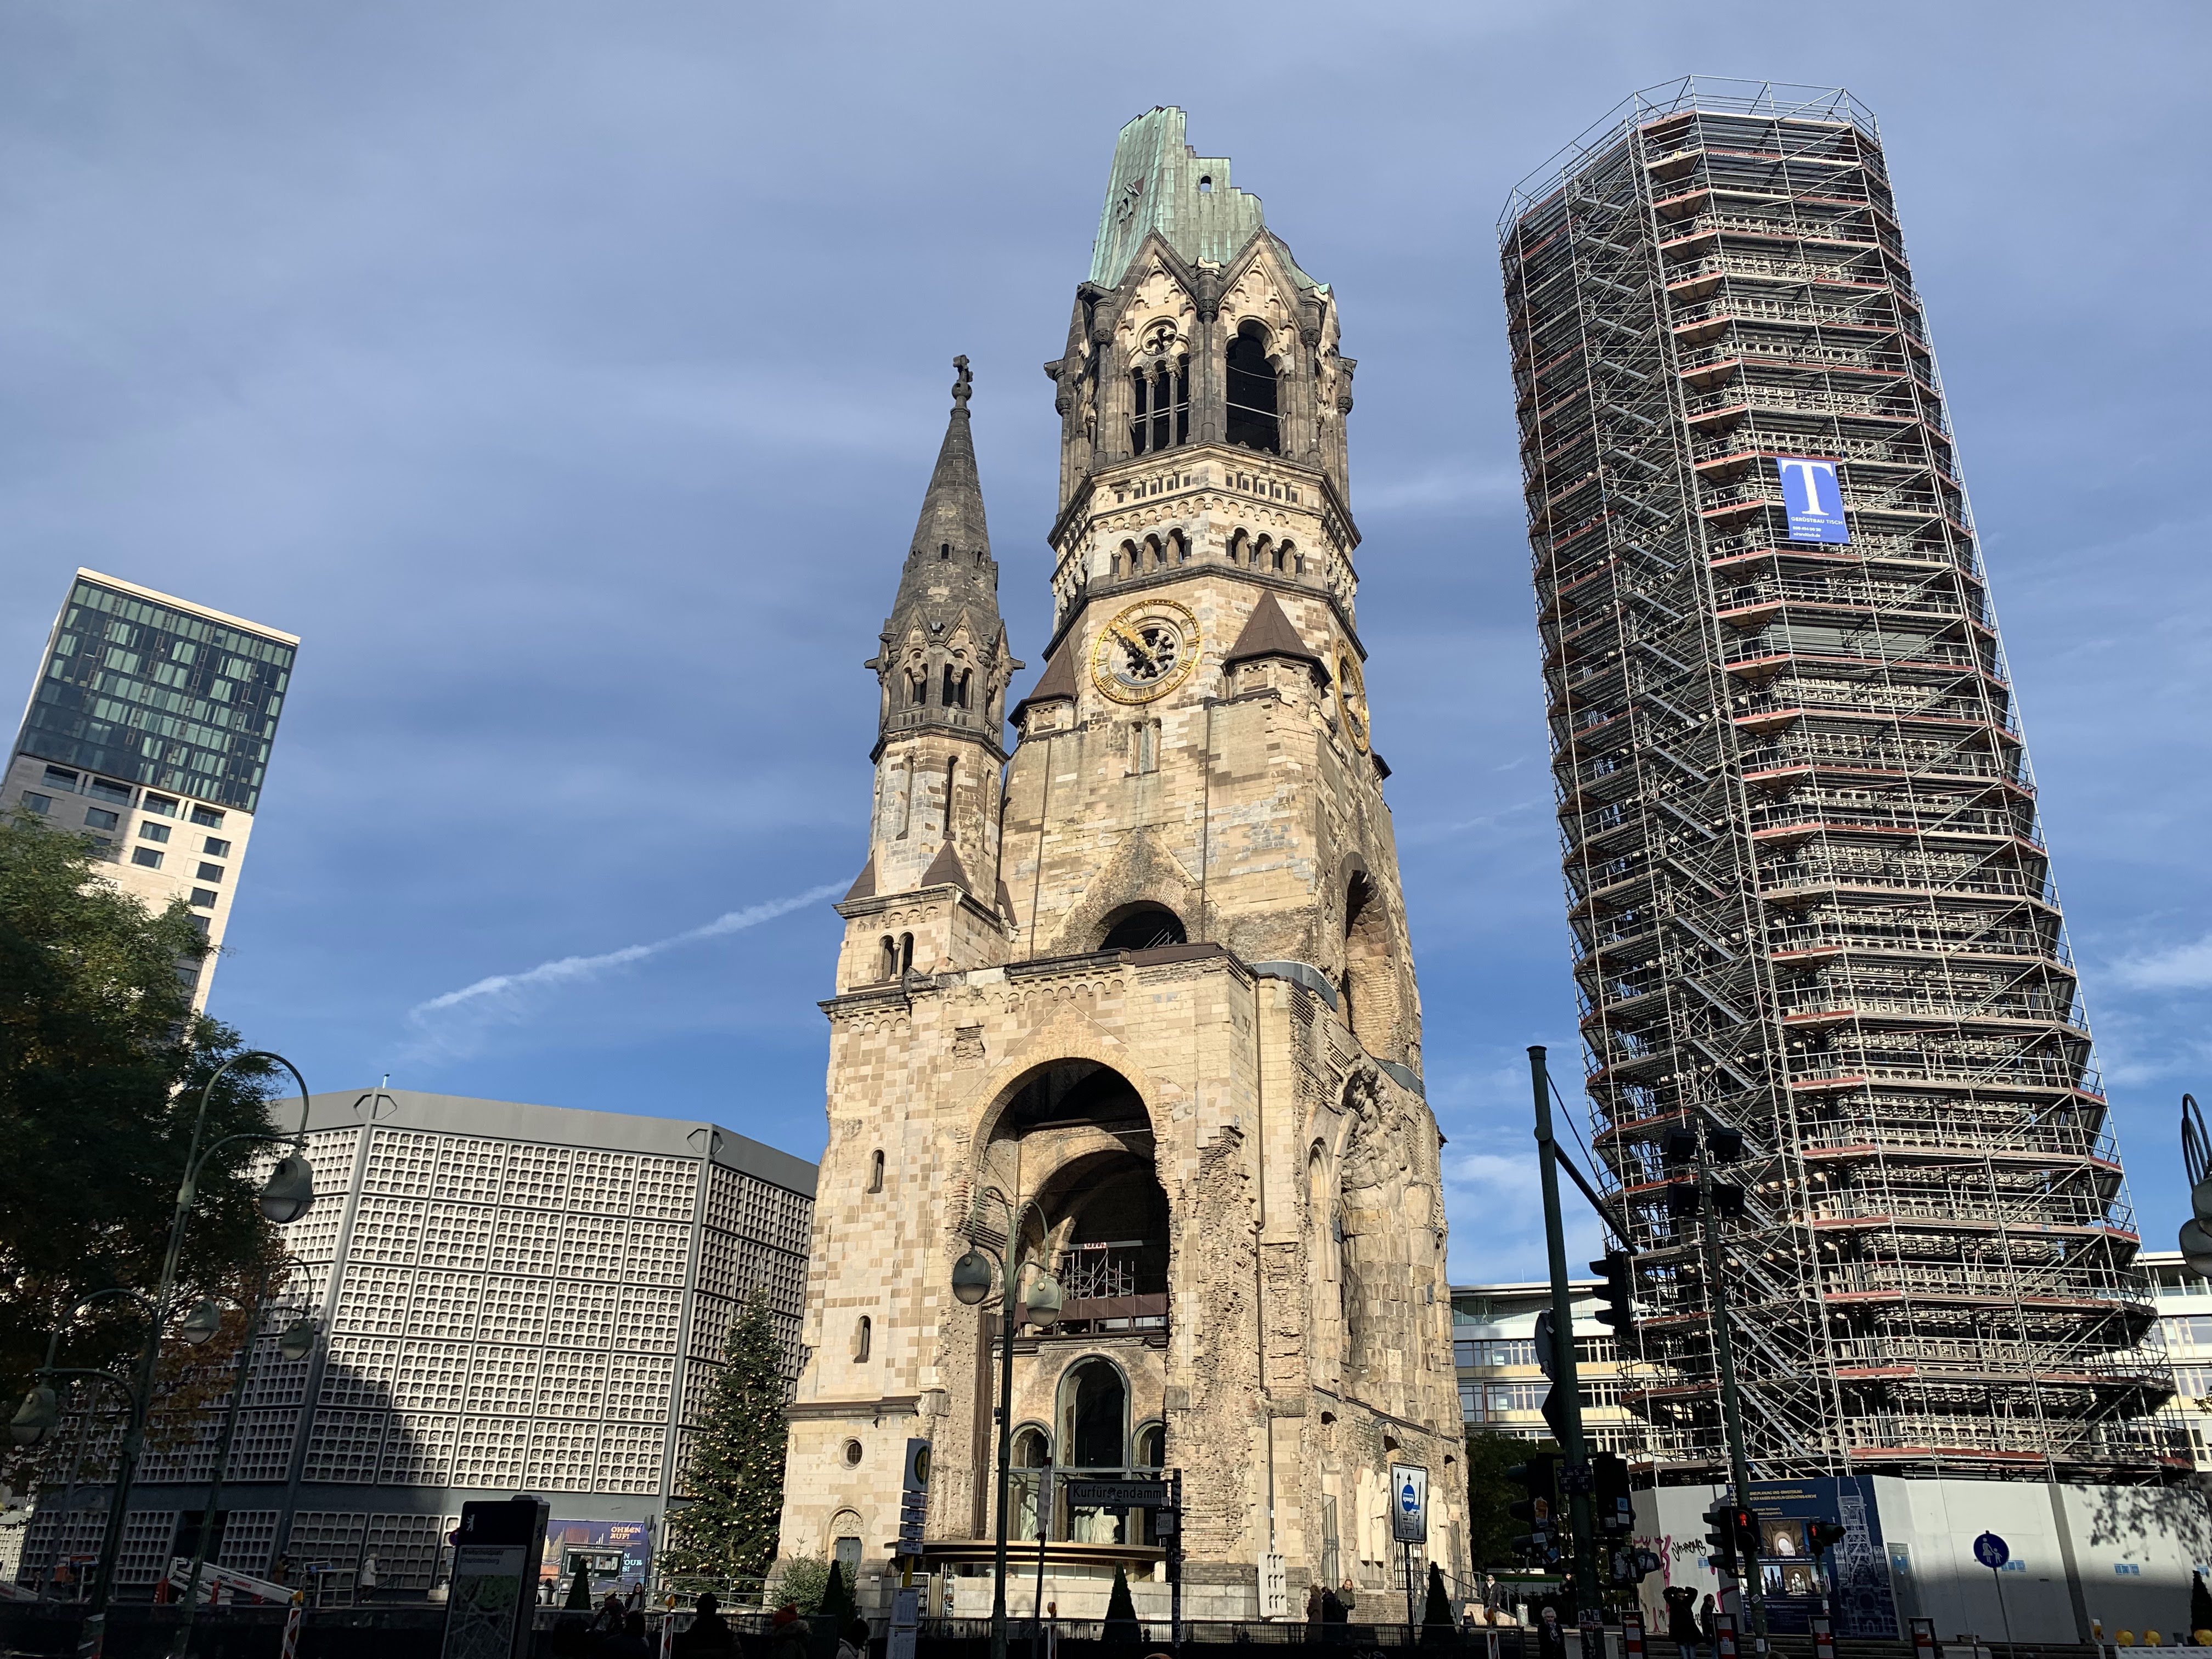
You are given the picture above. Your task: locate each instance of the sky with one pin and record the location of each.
(568, 376)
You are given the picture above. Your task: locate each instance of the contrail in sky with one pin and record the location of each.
(571, 970)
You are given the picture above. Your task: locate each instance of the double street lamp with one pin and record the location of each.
(285, 1196)
(972, 1277)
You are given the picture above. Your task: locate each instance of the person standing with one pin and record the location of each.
(1682, 1601)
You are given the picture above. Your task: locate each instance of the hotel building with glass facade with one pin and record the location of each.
(149, 728)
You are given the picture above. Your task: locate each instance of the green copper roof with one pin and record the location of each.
(1158, 182)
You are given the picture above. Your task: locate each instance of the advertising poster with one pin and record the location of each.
(617, 1553)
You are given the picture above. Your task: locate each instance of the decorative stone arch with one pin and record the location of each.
(1141, 872)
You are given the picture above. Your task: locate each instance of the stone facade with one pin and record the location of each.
(1146, 983)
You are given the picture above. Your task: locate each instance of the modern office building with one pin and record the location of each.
(512, 1298)
(2182, 1339)
(1502, 1389)
(1810, 896)
(149, 728)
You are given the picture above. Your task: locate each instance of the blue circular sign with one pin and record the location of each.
(1408, 1499)
(1991, 1551)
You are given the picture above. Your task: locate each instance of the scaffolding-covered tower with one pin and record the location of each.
(1808, 894)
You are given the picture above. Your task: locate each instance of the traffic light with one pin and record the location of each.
(1727, 1199)
(1617, 1269)
(1614, 1508)
(1539, 1478)
(1744, 1522)
(1732, 1529)
(1824, 1535)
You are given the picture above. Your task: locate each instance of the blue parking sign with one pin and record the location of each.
(1812, 499)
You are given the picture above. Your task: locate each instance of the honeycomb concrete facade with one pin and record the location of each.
(1136, 1000)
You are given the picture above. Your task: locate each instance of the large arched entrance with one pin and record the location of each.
(1073, 1143)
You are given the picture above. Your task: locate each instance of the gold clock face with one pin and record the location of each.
(1146, 652)
(1351, 697)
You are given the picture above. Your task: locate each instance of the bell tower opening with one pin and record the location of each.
(1252, 391)
(1144, 927)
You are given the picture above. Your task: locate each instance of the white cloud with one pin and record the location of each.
(2179, 968)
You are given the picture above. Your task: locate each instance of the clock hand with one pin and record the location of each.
(1137, 650)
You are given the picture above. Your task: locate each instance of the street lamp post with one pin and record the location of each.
(971, 1285)
(297, 1341)
(285, 1197)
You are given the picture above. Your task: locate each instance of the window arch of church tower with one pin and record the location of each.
(1370, 978)
(1260, 551)
(864, 1339)
(917, 688)
(876, 1162)
(905, 953)
(1297, 559)
(1155, 558)
(1240, 546)
(1159, 403)
(1252, 390)
(1143, 927)
(890, 958)
(1067, 1093)
(1182, 546)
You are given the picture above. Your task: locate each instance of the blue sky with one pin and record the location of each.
(568, 376)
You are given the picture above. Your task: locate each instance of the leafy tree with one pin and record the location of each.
(727, 1531)
(1489, 1495)
(102, 1063)
(837, 1600)
(580, 1589)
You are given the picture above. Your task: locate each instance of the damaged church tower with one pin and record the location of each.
(1137, 1004)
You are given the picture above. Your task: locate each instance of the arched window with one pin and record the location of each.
(1144, 927)
(1260, 550)
(1297, 559)
(905, 953)
(864, 1336)
(917, 688)
(1240, 546)
(1252, 391)
(1154, 557)
(1281, 556)
(891, 958)
(1094, 1417)
(1370, 980)
(945, 549)
(950, 688)
(1152, 1448)
(1182, 546)
(876, 1170)
(1159, 405)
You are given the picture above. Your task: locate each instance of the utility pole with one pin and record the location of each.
(1709, 1222)
(1569, 1420)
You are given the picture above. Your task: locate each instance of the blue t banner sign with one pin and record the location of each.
(1812, 499)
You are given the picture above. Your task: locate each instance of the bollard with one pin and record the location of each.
(293, 1613)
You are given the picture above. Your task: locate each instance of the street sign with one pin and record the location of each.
(1409, 1504)
(1117, 1494)
(1991, 1551)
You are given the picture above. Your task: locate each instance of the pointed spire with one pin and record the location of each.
(1056, 685)
(1268, 633)
(952, 511)
(946, 867)
(949, 584)
(864, 885)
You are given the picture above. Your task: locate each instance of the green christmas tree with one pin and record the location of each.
(837, 1601)
(1436, 1616)
(579, 1590)
(734, 1476)
(1121, 1611)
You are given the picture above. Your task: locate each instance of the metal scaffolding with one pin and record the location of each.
(1808, 891)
